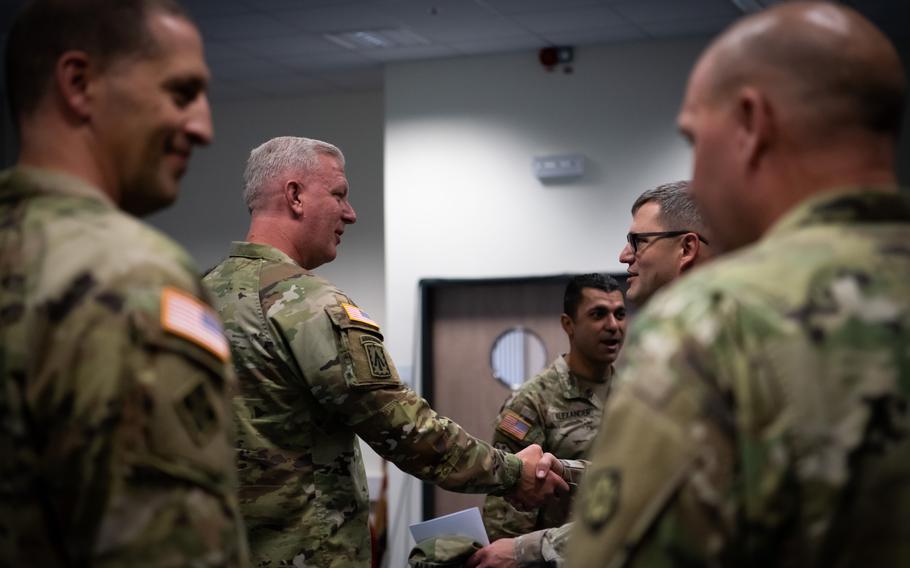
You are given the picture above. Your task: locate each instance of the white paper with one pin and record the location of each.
(463, 523)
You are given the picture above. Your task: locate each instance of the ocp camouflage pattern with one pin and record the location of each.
(563, 413)
(115, 434)
(312, 379)
(761, 417)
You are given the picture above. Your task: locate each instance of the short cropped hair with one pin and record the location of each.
(677, 210)
(577, 284)
(107, 30)
(276, 157)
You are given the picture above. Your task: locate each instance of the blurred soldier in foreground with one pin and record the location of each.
(114, 406)
(763, 400)
(664, 212)
(560, 408)
(315, 374)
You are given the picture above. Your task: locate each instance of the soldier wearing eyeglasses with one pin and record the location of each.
(666, 239)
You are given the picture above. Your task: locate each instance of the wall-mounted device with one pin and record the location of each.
(559, 167)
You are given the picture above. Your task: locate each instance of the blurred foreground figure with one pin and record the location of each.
(114, 373)
(761, 417)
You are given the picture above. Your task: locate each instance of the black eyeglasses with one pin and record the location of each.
(636, 239)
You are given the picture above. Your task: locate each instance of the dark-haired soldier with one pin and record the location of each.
(114, 373)
(560, 408)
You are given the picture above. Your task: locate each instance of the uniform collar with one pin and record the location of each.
(28, 179)
(572, 386)
(860, 204)
(259, 251)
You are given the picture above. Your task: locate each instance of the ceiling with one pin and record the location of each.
(281, 47)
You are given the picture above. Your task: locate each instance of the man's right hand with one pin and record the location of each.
(540, 479)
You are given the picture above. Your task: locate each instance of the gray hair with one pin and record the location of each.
(276, 157)
(677, 210)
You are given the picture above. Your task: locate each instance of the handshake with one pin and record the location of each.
(541, 479)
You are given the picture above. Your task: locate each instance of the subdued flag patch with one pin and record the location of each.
(356, 314)
(185, 316)
(514, 425)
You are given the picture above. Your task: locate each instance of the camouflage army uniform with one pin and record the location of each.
(559, 412)
(763, 405)
(314, 373)
(114, 416)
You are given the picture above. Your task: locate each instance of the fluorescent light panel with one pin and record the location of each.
(377, 39)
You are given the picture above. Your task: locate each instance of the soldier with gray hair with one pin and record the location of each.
(762, 415)
(115, 420)
(666, 240)
(315, 374)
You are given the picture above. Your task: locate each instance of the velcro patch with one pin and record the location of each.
(185, 316)
(375, 352)
(356, 314)
(602, 498)
(514, 425)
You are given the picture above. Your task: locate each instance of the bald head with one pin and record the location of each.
(829, 67)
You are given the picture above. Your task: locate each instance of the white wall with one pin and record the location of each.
(460, 196)
(210, 213)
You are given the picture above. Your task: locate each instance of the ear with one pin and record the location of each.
(690, 246)
(293, 194)
(73, 75)
(756, 119)
(567, 324)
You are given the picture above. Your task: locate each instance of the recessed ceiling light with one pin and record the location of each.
(377, 39)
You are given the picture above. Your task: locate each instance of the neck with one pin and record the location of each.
(51, 143)
(269, 229)
(586, 369)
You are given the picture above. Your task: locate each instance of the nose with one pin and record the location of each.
(626, 256)
(199, 126)
(348, 215)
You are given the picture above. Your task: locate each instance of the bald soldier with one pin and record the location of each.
(667, 238)
(315, 375)
(764, 398)
(114, 373)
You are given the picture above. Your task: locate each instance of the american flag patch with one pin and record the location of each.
(185, 316)
(356, 314)
(514, 425)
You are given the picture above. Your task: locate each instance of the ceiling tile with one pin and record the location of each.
(200, 9)
(289, 85)
(338, 17)
(565, 21)
(451, 20)
(519, 6)
(342, 59)
(685, 28)
(245, 26)
(299, 44)
(502, 45)
(372, 78)
(654, 11)
(590, 37)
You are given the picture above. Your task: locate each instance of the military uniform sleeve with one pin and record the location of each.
(342, 357)
(518, 425)
(138, 416)
(657, 489)
(546, 547)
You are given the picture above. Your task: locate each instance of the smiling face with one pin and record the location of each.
(598, 328)
(326, 212)
(657, 261)
(150, 112)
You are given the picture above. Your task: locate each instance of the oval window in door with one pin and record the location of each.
(517, 355)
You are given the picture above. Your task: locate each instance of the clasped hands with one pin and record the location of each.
(541, 479)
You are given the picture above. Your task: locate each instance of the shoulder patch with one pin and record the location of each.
(356, 314)
(602, 498)
(185, 316)
(514, 425)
